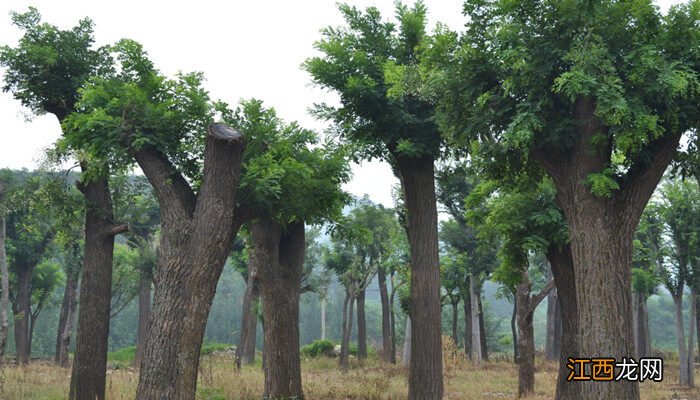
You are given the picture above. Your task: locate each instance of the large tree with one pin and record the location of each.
(599, 94)
(358, 61)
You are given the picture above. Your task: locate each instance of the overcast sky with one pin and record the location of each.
(245, 49)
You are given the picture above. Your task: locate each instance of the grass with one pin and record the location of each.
(370, 379)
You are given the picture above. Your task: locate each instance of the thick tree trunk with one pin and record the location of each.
(4, 285)
(680, 338)
(197, 235)
(344, 359)
(387, 346)
(482, 332)
(279, 266)
(144, 316)
(467, 324)
(361, 326)
(249, 320)
(90, 363)
(406, 356)
(67, 316)
(526, 339)
(425, 377)
(475, 323)
(22, 311)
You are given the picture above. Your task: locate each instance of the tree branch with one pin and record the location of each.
(537, 299)
(121, 228)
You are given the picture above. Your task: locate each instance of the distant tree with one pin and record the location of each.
(5, 275)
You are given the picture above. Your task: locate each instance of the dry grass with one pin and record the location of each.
(323, 381)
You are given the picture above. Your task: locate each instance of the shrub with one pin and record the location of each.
(319, 348)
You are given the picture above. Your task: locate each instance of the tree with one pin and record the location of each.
(5, 278)
(285, 184)
(359, 61)
(599, 94)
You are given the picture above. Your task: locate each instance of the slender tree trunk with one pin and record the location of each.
(65, 323)
(392, 315)
(279, 266)
(680, 338)
(425, 377)
(552, 347)
(514, 327)
(482, 332)
(4, 285)
(476, 326)
(526, 339)
(406, 359)
(361, 326)
(249, 319)
(22, 308)
(697, 324)
(691, 338)
(323, 318)
(641, 325)
(455, 320)
(466, 298)
(387, 346)
(144, 316)
(344, 359)
(90, 363)
(197, 234)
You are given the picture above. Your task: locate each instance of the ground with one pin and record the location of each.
(370, 379)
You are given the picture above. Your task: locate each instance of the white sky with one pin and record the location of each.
(245, 49)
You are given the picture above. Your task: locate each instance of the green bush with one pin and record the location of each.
(319, 348)
(209, 348)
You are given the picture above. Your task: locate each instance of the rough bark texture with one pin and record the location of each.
(601, 230)
(197, 233)
(144, 316)
(641, 325)
(65, 322)
(361, 326)
(553, 341)
(4, 285)
(245, 355)
(406, 358)
(280, 263)
(467, 325)
(90, 362)
(475, 325)
(387, 345)
(418, 181)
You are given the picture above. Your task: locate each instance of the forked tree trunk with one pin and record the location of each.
(387, 346)
(145, 281)
(475, 325)
(344, 358)
(197, 234)
(67, 316)
(249, 321)
(418, 180)
(361, 326)
(4, 284)
(601, 230)
(22, 311)
(90, 362)
(406, 359)
(279, 266)
(482, 331)
(466, 298)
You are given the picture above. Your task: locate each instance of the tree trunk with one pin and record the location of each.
(392, 315)
(526, 339)
(697, 324)
(4, 284)
(680, 338)
(361, 326)
(323, 318)
(344, 359)
(475, 323)
(552, 345)
(249, 320)
(22, 311)
(90, 362)
(466, 298)
(387, 346)
(514, 327)
(144, 316)
(691, 338)
(641, 325)
(67, 316)
(279, 266)
(425, 377)
(197, 234)
(482, 332)
(455, 320)
(406, 359)
(561, 261)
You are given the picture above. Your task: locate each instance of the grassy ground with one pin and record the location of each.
(218, 380)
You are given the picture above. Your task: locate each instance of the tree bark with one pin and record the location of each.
(145, 281)
(476, 326)
(90, 364)
(4, 284)
(466, 298)
(67, 316)
(361, 326)
(641, 325)
(514, 327)
(691, 338)
(418, 179)
(387, 346)
(553, 342)
(680, 338)
(344, 359)
(280, 263)
(455, 320)
(249, 321)
(482, 331)
(197, 233)
(22, 311)
(406, 359)
(392, 315)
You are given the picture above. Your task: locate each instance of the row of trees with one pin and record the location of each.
(569, 112)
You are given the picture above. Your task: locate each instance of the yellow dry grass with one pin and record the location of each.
(370, 379)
